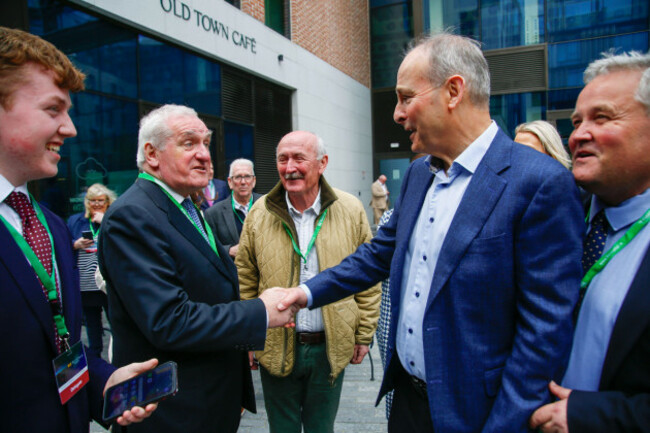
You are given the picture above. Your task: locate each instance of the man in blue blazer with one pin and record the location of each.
(35, 81)
(606, 388)
(483, 252)
(172, 288)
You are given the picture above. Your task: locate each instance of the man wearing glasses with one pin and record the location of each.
(226, 218)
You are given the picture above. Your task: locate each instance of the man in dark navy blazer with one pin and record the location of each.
(227, 217)
(172, 288)
(483, 252)
(35, 81)
(606, 387)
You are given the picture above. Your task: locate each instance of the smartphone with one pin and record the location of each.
(87, 234)
(148, 387)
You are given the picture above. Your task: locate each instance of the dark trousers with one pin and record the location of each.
(305, 398)
(410, 411)
(94, 329)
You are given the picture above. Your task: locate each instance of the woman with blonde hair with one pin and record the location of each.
(85, 227)
(543, 137)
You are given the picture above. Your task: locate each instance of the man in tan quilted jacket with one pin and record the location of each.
(300, 228)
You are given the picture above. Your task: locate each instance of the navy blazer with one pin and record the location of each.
(221, 219)
(497, 324)
(622, 403)
(172, 298)
(30, 401)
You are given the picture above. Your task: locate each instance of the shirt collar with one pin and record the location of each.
(315, 207)
(239, 206)
(6, 188)
(624, 214)
(179, 198)
(471, 157)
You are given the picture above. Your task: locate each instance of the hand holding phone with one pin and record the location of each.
(87, 234)
(141, 390)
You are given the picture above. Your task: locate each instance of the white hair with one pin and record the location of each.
(154, 128)
(630, 61)
(450, 55)
(241, 161)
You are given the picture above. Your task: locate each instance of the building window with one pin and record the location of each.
(519, 22)
(567, 61)
(508, 111)
(461, 15)
(235, 3)
(276, 16)
(582, 19)
(390, 32)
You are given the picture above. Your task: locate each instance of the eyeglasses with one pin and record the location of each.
(97, 201)
(240, 177)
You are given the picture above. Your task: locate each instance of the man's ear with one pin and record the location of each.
(151, 155)
(323, 164)
(456, 87)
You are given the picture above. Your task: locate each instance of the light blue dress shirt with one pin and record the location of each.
(437, 212)
(606, 293)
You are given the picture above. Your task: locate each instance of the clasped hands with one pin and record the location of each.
(282, 305)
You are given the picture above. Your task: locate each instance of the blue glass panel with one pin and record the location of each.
(394, 170)
(378, 3)
(508, 111)
(185, 78)
(580, 19)
(461, 15)
(391, 30)
(104, 52)
(564, 99)
(567, 61)
(238, 140)
(510, 23)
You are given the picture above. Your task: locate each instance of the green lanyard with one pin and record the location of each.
(615, 249)
(311, 242)
(92, 230)
(250, 204)
(208, 230)
(48, 281)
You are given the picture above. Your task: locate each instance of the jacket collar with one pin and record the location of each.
(276, 203)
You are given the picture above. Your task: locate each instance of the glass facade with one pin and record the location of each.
(390, 33)
(575, 33)
(127, 75)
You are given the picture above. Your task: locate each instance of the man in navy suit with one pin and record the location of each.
(172, 288)
(226, 218)
(606, 387)
(35, 81)
(483, 252)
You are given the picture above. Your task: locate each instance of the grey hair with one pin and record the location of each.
(550, 139)
(241, 161)
(97, 190)
(450, 55)
(630, 61)
(155, 130)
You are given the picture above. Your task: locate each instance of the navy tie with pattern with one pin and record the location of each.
(37, 238)
(194, 214)
(593, 247)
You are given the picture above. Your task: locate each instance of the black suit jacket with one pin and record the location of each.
(622, 403)
(222, 221)
(171, 297)
(29, 401)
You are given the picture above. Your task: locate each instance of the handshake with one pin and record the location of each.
(282, 305)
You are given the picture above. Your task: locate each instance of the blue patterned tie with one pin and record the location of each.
(194, 214)
(593, 247)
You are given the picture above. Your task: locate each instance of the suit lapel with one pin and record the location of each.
(229, 218)
(26, 281)
(631, 322)
(180, 222)
(480, 198)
